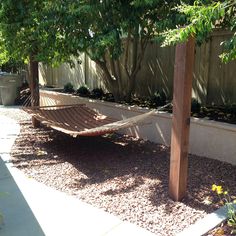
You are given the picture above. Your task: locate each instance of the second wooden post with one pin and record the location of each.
(183, 73)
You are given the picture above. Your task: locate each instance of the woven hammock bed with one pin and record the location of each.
(79, 120)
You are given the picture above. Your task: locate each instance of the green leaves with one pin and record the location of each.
(56, 30)
(33, 27)
(230, 49)
(201, 20)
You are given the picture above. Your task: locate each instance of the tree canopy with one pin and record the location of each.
(31, 27)
(27, 34)
(114, 34)
(202, 19)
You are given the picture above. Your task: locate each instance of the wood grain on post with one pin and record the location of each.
(183, 73)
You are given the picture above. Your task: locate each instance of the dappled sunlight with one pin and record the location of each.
(161, 134)
(124, 171)
(48, 101)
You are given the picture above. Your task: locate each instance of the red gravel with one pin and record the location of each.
(122, 175)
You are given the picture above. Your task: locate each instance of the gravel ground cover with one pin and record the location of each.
(122, 175)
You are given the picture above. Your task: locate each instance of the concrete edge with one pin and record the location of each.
(209, 222)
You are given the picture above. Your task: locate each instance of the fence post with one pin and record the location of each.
(183, 73)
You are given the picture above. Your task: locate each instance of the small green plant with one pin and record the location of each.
(195, 106)
(109, 97)
(97, 93)
(49, 86)
(68, 88)
(158, 98)
(83, 91)
(227, 201)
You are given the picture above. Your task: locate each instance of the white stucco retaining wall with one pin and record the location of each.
(207, 138)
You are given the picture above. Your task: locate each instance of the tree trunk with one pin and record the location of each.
(34, 86)
(121, 90)
(130, 89)
(120, 74)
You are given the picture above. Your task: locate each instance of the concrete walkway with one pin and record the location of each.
(33, 209)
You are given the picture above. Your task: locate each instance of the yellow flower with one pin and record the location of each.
(219, 189)
(225, 192)
(219, 231)
(214, 187)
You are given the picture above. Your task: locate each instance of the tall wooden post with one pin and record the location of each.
(34, 86)
(183, 73)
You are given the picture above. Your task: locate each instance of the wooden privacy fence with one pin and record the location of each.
(214, 81)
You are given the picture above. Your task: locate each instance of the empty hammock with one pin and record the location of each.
(79, 120)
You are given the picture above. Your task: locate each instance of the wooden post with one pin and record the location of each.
(34, 86)
(183, 73)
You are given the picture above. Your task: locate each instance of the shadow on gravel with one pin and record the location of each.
(128, 161)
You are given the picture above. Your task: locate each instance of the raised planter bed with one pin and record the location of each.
(207, 138)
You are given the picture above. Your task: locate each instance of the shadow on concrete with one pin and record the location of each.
(18, 219)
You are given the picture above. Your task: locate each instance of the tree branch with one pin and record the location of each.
(112, 64)
(127, 53)
(143, 45)
(103, 66)
(135, 48)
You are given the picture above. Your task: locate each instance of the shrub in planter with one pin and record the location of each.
(231, 109)
(142, 102)
(83, 91)
(108, 97)
(68, 88)
(195, 106)
(158, 99)
(49, 86)
(97, 93)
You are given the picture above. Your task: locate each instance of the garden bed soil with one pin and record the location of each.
(220, 230)
(124, 176)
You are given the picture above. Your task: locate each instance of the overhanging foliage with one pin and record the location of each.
(202, 19)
